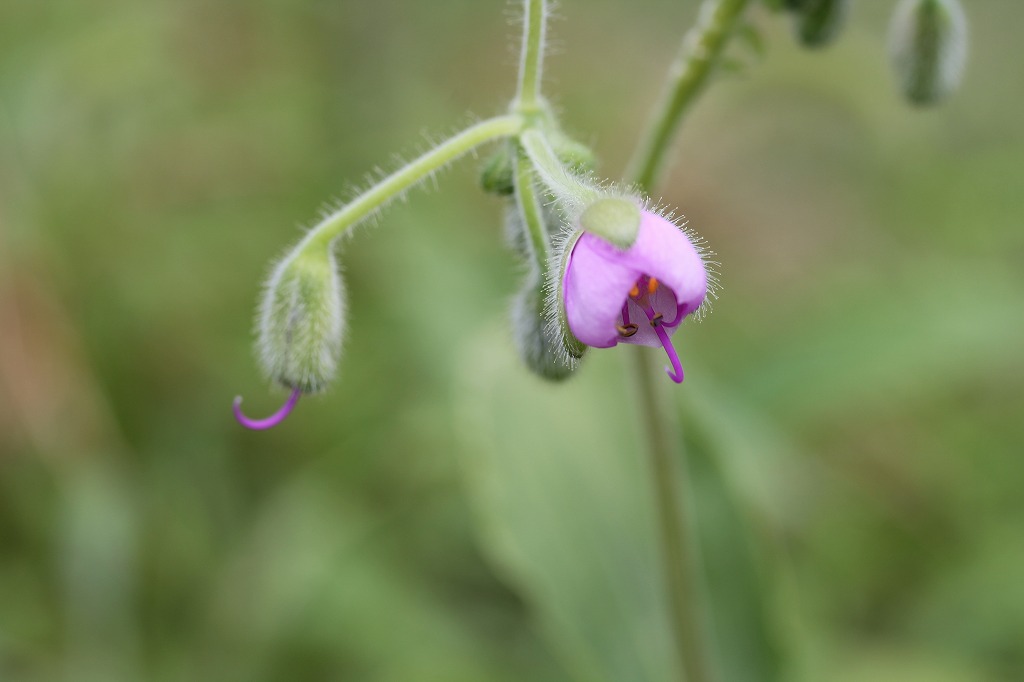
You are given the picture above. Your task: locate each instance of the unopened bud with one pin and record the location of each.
(818, 21)
(928, 48)
(540, 352)
(496, 175)
(302, 319)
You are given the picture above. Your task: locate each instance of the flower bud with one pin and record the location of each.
(818, 21)
(301, 320)
(542, 353)
(496, 175)
(928, 48)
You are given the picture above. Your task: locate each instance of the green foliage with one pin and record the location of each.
(857, 389)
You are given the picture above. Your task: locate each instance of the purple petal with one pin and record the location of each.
(598, 278)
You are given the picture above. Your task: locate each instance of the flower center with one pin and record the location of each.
(641, 294)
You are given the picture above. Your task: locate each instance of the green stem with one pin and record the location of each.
(570, 189)
(402, 179)
(680, 563)
(530, 210)
(700, 51)
(701, 48)
(531, 60)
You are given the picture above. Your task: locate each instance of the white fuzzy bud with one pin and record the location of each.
(928, 48)
(302, 319)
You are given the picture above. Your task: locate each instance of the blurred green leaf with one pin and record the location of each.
(565, 512)
(882, 340)
(561, 484)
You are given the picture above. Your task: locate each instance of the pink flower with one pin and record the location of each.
(639, 294)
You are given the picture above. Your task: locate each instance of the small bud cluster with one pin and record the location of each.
(599, 263)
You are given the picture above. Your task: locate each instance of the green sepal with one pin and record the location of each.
(496, 177)
(573, 347)
(614, 220)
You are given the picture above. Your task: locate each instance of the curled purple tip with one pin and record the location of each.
(675, 373)
(271, 421)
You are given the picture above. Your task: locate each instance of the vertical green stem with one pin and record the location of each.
(531, 62)
(532, 214)
(700, 51)
(680, 563)
(701, 48)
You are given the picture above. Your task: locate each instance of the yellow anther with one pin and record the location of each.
(652, 285)
(634, 292)
(627, 331)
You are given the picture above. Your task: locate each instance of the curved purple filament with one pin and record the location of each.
(676, 371)
(271, 421)
(679, 317)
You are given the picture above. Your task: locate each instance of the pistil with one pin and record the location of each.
(271, 421)
(675, 373)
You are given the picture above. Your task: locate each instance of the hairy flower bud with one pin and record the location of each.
(818, 21)
(541, 353)
(301, 320)
(496, 175)
(928, 48)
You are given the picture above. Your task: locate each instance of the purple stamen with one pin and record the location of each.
(272, 420)
(625, 313)
(676, 372)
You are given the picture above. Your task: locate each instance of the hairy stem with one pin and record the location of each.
(701, 48)
(530, 210)
(700, 51)
(408, 175)
(564, 184)
(531, 60)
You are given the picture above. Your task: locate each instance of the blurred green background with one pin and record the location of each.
(853, 406)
